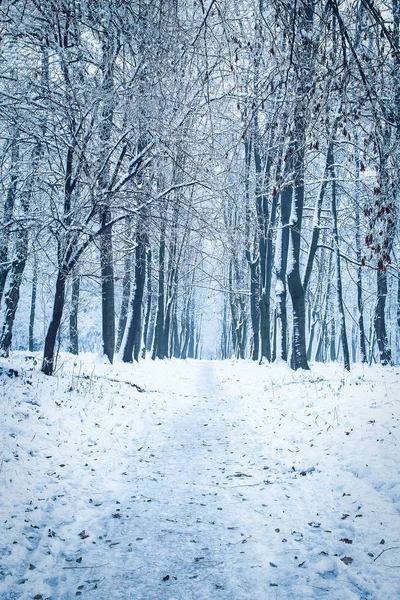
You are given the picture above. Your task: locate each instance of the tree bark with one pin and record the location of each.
(146, 336)
(126, 291)
(106, 247)
(281, 255)
(50, 341)
(339, 290)
(360, 301)
(159, 327)
(303, 91)
(32, 313)
(134, 335)
(385, 353)
(8, 213)
(12, 295)
(73, 317)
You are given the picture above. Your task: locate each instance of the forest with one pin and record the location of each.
(200, 179)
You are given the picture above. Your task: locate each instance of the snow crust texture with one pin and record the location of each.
(208, 480)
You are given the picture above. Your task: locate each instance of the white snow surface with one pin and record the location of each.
(221, 480)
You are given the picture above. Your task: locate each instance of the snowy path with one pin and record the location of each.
(219, 482)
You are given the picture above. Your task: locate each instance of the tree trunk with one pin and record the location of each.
(254, 309)
(8, 213)
(58, 307)
(176, 350)
(146, 336)
(159, 327)
(252, 259)
(107, 289)
(126, 291)
(134, 335)
(281, 255)
(12, 294)
(304, 48)
(106, 248)
(73, 317)
(385, 354)
(360, 301)
(192, 330)
(398, 321)
(315, 310)
(32, 313)
(317, 215)
(339, 290)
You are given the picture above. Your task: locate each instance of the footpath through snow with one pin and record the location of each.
(201, 480)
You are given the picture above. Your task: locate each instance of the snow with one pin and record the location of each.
(291, 261)
(210, 480)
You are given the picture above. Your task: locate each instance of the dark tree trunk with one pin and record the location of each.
(265, 295)
(385, 354)
(185, 330)
(304, 49)
(50, 341)
(234, 323)
(192, 331)
(159, 327)
(398, 318)
(315, 310)
(134, 335)
(320, 354)
(332, 338)
(146, 336)
(176, 350)
(73, 317)
(32, 313)
(360, 301)
(252, 260)
(317, 217)
(295, 286)
(172, 278)
(107, 288)
(7, 215)
(339, 290)
(106, 247)
(12, 294)
(281, 254)
(225, 333)
(254, 309)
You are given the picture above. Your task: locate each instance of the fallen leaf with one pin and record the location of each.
(83, 535)
(346, 540)
(347, 560)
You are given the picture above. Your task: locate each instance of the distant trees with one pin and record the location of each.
(182, 155)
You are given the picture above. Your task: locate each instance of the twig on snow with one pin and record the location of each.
(134, 385)
(386, 550)
(91, 567)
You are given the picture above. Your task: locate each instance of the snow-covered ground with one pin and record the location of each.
(212, 480)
